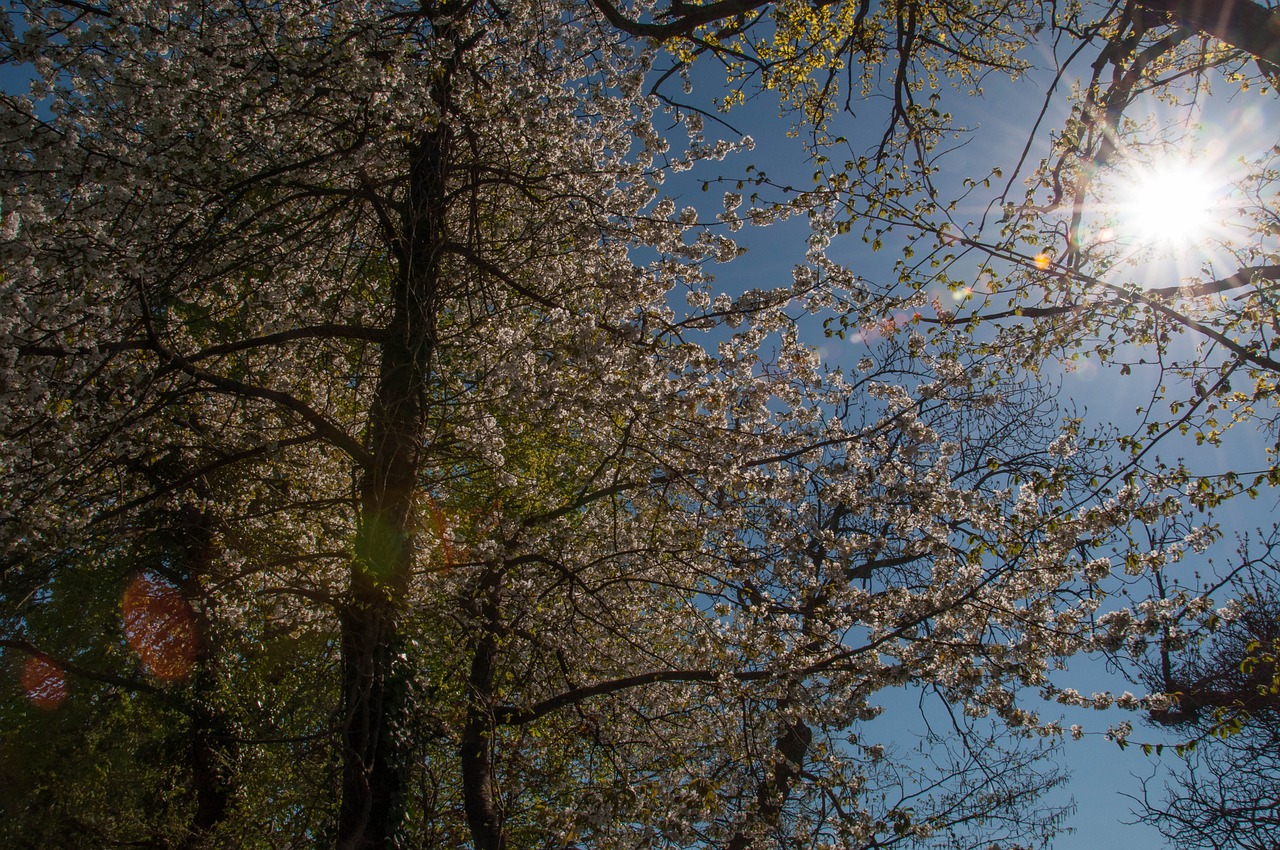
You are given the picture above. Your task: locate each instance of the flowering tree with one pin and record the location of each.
(1145, 238)
(1221, 672)
(341, 350)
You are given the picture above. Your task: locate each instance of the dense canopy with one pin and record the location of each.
(395, 457)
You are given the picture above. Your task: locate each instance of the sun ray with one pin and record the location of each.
(1171, 204)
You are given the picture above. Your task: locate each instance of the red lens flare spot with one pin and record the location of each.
(160, 627)
(45, 682)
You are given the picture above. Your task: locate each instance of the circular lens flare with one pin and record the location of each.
(160, 627)
(45, 682)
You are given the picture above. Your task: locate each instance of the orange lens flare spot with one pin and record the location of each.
(45, 682)
(1042, 262)
(160, 627)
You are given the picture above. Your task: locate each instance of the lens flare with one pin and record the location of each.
(45, 682)
(160, 627)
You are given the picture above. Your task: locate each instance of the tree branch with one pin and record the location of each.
(685, 18)
(512, 716)
(329, 331)
(76, 670)
(1243, 24)
(325, 429)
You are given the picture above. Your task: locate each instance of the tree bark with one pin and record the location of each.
(213, 751)
(791, 746)
(373, 674)
(1243, 24)
(475, 752)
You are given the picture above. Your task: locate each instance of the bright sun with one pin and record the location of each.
(1172, 204)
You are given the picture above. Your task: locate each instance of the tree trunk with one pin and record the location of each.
(213, 750)
(475, 750)
(373, 675)
(791, 746)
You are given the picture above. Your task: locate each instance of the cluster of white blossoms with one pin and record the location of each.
(385, 295)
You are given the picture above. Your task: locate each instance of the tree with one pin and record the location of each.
(1065, 269)
(1076, 280)
(1225, 797)
(1218, 668)
(1057, 269)
(360, 316)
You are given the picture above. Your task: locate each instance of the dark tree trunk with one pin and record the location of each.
(475, 751)
(212, 745)
(373, 676)
(791, 746)
(213, 751)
